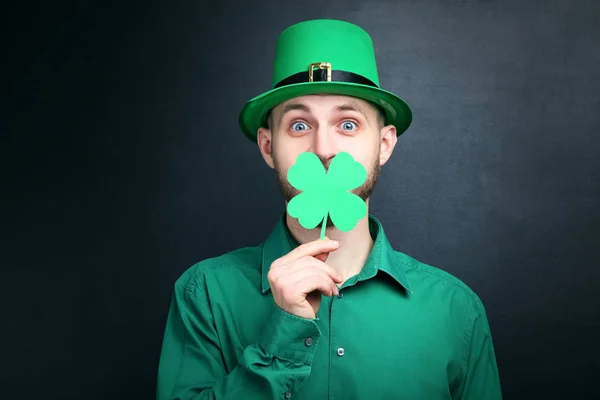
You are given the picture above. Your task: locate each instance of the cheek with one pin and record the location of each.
(283, 158)
(365, 153)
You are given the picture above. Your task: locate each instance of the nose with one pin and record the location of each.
(323, 145)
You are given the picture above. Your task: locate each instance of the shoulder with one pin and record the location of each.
(243, 261)
(432, 280)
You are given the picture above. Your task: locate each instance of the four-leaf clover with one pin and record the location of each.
(328, 193)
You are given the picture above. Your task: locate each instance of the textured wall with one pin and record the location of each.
(122, 165)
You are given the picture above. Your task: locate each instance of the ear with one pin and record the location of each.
(264, 139)
(388, 141)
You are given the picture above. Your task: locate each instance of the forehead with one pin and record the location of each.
(326, 102)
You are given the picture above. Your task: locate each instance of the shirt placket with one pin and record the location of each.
(337, 351)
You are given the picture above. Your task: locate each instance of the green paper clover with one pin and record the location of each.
(328, 193)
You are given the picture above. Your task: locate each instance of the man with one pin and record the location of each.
(346, 317)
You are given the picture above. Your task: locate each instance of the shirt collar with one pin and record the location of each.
(382, 256)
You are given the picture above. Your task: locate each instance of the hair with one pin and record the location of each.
(380, 116)
(270, 119)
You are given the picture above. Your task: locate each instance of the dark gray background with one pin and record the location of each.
(122, 165)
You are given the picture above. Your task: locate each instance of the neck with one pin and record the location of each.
(354, 248)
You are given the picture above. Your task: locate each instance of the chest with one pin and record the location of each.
(379, 345)
(376, 343)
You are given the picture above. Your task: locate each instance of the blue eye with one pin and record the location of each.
(299, 126)
(348, 125)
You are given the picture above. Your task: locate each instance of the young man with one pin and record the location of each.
(347, 317)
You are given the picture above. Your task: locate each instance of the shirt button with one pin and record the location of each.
(288, 394)
(340, 295)
(340, 351)
(308, 342)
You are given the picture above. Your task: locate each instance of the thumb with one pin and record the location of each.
(322, 256)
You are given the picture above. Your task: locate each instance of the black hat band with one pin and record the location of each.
(320, 75)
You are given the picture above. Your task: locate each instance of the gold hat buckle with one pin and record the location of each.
(320, 65)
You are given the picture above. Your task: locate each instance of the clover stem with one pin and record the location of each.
(324, 225)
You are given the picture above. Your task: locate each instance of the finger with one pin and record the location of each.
(294, 277)
(319, 282)
(334, 289)
(311, 263)
(322, 256)
(298, 277)
(329, 270)
(307, 249)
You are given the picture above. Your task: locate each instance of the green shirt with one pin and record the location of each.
(400, 329)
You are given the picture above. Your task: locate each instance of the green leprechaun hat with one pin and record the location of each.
(324, 56)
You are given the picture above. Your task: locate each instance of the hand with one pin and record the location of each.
(298, 278)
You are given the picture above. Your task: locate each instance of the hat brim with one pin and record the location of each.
(254, 113)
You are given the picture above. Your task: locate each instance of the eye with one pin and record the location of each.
(349, 125)
(299, 126)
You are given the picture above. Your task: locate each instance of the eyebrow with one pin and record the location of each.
(349, 107)
(291, 107)
(295, 106)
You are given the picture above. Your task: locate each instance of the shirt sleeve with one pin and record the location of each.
(481, 380)
(191, 362)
